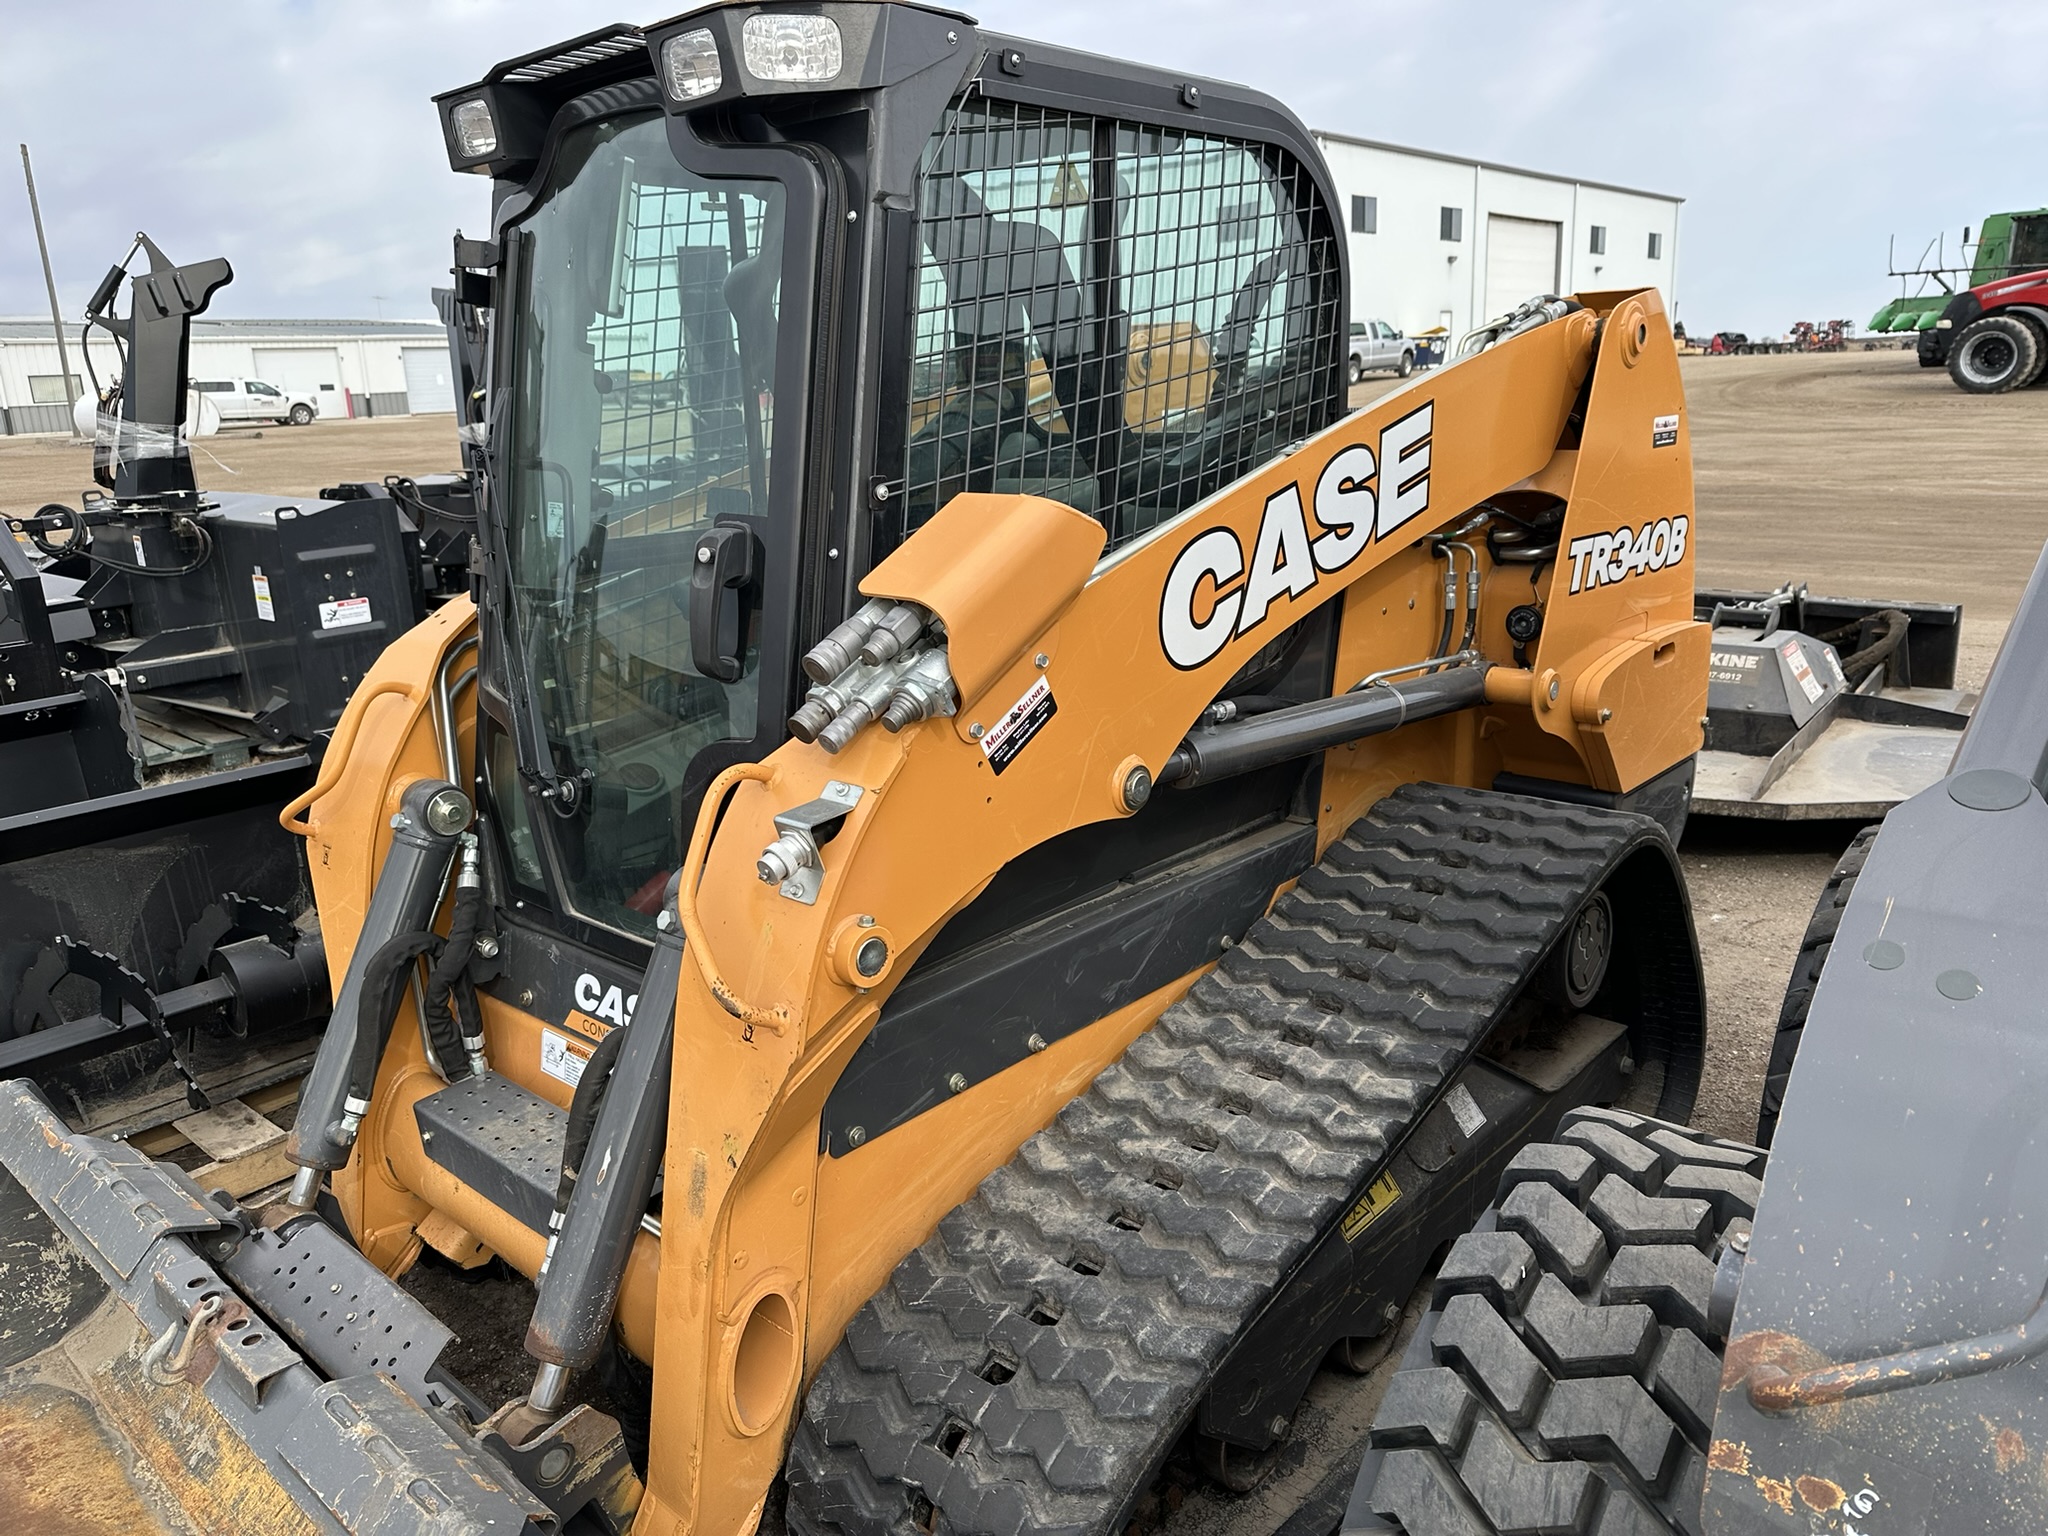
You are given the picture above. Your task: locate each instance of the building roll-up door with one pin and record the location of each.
(1521, 261)
(429, 380)
(311, 370)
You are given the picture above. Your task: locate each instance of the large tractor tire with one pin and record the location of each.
(1030, 1366)
(1996, 354)
(1564, 1377)
(1813, 954)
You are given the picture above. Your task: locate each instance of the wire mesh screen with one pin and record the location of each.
(1121, 317)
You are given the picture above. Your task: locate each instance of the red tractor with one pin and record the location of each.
(1993, 337)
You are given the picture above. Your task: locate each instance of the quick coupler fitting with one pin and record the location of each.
(896, 633)
(826, 700)
(835, 653)
(838, 736)
(863, 708)
(924, 691)
(793, 851)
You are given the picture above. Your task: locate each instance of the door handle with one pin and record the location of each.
(723, 566)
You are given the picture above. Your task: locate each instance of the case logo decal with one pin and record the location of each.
(607, 1003)
(1215, 593)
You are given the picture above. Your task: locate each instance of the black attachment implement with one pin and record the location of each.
(145, 456)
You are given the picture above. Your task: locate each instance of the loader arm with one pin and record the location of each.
(774, 1001)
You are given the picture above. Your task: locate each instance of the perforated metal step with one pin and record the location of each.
(498, 1139)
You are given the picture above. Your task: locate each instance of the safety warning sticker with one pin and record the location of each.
(1664, 432)
(1378, 1199)
(1023, 720)
(565, 1048)
(1802, 674)
(265, 609)
(345, 613)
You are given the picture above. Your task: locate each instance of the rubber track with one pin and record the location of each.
(1814, 947)
(1028, 1367)
(1565, 1377)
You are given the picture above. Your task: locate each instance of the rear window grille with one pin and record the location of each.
(1118, 316)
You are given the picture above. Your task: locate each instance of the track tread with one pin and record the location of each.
(1269, 1095)
(1628, 1368)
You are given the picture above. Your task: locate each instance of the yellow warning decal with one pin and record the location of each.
(1378, 1199)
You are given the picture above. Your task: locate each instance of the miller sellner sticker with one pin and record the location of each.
(1023, 720)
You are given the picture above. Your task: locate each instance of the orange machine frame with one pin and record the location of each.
(767, 1247)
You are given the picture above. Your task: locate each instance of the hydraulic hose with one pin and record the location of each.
(1891, 635)
(583, 1108)
(384, 982)
(449, 990)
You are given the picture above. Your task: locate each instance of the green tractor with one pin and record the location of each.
(2008, 243)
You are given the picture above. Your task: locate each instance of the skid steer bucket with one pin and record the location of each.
(169, 1364)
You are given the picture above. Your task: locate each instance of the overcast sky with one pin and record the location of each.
(296, 137)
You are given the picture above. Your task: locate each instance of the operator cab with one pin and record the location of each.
(765, 289)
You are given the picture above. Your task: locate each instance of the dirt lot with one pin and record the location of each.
(1857, 473)
(293, 461)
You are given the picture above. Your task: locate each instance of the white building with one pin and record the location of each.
(1441, 241)
(354, 367)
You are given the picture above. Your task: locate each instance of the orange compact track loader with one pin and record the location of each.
(1012, 871)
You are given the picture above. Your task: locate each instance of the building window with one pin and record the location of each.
(1450, 224)
(1365, 215)
(1656, 246)
(48, 389)
(1598, 244)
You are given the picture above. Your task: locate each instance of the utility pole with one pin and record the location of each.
(50, 283)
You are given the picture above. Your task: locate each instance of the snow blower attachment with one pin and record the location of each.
(174, 664)
(1012, 870)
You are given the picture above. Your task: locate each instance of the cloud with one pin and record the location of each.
(297, 138)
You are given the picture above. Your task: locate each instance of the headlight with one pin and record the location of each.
(476, 134)
(791, 49)
(690, 60)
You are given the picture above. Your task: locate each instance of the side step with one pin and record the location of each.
(501, 1141)
(1030, 1365)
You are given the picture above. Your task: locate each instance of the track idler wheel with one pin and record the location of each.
(1574, 971)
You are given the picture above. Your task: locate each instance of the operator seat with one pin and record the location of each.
(1007, 285)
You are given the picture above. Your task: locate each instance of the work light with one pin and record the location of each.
(791, 49)
(476, 133)
(690, 61)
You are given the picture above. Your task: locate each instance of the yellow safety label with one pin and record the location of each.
(1378, 1199)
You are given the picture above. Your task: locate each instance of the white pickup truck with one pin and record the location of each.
(1377, 347)
(254, 400)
